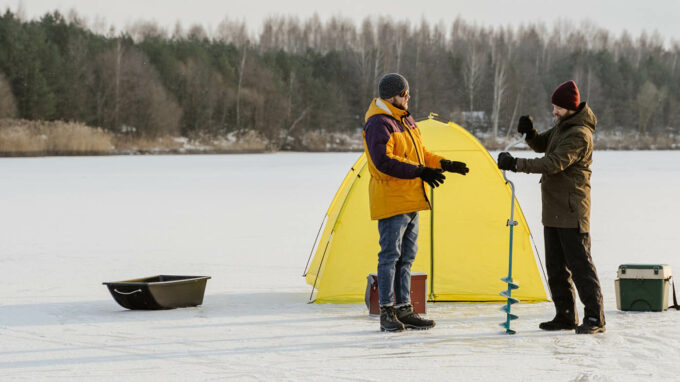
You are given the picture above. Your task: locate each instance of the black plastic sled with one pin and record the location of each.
(159, 292)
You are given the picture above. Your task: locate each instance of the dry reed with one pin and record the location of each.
(22, 137)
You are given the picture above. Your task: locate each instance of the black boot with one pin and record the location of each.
(590, 325)
(389, 321)
(560, 322)
(412, 320)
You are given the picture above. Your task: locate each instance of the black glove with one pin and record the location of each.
(431, 176)
(526, 126)
(507, 162)
(453, 166)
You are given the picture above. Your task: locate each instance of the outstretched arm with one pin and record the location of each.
(568, 151)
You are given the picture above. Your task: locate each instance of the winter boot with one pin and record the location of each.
(412, 320)
(389, 321)
(560, 322)
(590, 325)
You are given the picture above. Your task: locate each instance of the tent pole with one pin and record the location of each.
(318, 271)
(316, 240)
(432, 245)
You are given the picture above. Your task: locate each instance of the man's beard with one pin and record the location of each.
(557, 119)
(399, 106)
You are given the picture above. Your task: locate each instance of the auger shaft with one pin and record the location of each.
(511, 284)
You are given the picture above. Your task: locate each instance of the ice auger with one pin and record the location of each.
(508, 279)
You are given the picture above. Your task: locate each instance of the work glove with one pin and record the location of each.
(526, 126)
(453, 166)
(431, 176)
(507, 162)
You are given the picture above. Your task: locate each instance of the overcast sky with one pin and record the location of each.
(614, 15)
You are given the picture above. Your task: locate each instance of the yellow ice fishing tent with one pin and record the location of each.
(465, 254)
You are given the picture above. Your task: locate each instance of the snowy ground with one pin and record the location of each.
(249, 221)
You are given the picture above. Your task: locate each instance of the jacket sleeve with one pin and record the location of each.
(568, 150)
(539, 143)
(430, 159)
(380, 148)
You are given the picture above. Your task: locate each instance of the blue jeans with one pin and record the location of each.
(398, 247)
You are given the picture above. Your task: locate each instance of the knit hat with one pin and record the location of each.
(566, 96)
(392, 84)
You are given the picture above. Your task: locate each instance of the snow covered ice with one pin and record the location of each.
(249, 221)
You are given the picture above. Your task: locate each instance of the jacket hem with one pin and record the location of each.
(400, 212)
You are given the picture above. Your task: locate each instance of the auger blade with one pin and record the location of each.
(506, 294)
(505, 324)
(511, 284)
(510, 331)
(505, 309)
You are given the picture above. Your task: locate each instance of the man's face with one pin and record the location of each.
(401, 102)
(561, 113)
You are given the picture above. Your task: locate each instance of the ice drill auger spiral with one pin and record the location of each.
(507, 293)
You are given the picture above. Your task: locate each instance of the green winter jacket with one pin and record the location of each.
(565, 183)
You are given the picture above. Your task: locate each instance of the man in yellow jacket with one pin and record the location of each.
(399, 166)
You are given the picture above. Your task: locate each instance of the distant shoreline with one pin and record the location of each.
(24, 138)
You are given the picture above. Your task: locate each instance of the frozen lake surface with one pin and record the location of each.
(249, 221)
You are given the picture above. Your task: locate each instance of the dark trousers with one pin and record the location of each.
(567, 259)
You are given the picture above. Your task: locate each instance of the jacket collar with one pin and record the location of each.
(380, 106)
(583, 117)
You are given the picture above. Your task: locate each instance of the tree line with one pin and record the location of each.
(296, 77)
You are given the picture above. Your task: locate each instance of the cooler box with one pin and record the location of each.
(418, 293)
(642, 287)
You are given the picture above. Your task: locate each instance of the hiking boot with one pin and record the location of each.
(590, 325)
(412, 320)
(389, 321)
(559, 323)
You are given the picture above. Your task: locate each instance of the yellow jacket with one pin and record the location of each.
(395, 150)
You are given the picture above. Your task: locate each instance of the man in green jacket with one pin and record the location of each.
(565, 189)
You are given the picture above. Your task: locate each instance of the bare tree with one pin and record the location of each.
(512, 120)
(500, 54)
(143, 30)
(648, 101)
(116, 84)
(312, 30)
(202, 90)
(675, 53)
(364, 59)
(236, 33)
(241, 70)
(129, 95)
(197, 32)
(423, 48)
(472, 73)
(232, 32)
(8, 105)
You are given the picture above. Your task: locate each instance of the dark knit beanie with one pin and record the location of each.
(392, 84)
(566, 96)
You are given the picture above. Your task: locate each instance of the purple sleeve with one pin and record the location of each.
(377, 136)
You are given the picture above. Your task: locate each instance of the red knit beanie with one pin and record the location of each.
(566, 96)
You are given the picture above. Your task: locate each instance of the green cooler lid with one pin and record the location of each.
(654, 271)
(642, 266)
